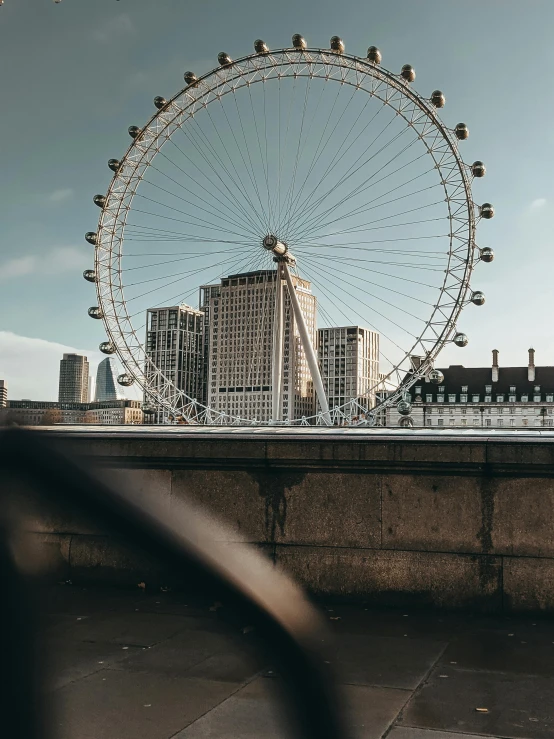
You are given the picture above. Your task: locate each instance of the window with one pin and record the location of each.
(464, 411)
(512, 421)
(512, 388)
(464, 388)
(451, 398)
(463, 398)
(441, 389)
(464, 421)
(451, 422)
(524, 398)
(474, 398)
(537, 398)
(488, 398)
(440, 398)
(512, 398)
(499, 398)
(525, 422)
(549, 398)
(418, 390)
(537, 388)
(487, 421)
(500, 422)
(440, 422)
(428, 422)
(488, 388)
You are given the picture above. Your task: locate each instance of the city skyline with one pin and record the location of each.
(518, 184)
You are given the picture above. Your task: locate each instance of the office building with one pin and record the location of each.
(3, 394)
(174, 344)
(49, 413)
(107, 387)
(349, 364)
(239, 321)
(485, 397)
(74, 375)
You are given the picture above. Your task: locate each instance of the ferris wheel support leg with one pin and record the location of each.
(277, 363)
(308, 348)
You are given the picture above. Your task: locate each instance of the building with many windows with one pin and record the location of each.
(3, 394)
(485, 397)
(107, 387)
(239, 322)
(174, 343)
(74, 377)
(49, 413)
(349, 364)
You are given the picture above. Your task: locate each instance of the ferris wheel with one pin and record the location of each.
(288, 240)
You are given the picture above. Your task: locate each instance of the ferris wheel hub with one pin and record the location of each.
(279, 248)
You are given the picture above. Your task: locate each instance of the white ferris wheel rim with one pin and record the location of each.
(439, 141)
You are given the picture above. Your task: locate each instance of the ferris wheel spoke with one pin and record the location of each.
(210, 212)
(348, 260)
(300, 147)
(137, 229)
(167, 261)
(361, 229)
(263, 159)
(309, 208)
(319, 153)
(315, 219)
(283, 148)
(259, 216)
(228, 193)
(331, 277)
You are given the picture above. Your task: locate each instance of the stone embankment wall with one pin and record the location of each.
(453, 521)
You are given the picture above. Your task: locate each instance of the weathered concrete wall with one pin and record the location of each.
(399, 519)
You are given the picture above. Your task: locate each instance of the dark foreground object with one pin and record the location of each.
(157, 665)
(182, 540)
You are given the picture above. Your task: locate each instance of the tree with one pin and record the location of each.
(51, 417)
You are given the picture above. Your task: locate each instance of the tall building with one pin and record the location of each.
(107, 387)
(74, 372)
(240, 323)
(489, 397)
(349, 364)
(174, 343)
(3, 394)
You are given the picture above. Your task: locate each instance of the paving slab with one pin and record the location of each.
(405, 733)
(131, 628)
(519, 707)
(384, 661)
(503, 652)
(114, 703)
(256, 711)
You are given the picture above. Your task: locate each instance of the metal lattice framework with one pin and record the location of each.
(419, 114)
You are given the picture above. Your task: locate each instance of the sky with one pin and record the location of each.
(76, 74)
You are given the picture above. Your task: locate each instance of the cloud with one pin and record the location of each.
(21, 356)
(58, 260)
(59, 196)
(17, 267)
(121, 25)
(20, 360)
(538, 203)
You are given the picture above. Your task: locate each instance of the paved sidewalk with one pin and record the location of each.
(138, 665)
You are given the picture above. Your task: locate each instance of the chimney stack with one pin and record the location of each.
(531, 366)
(495, 365)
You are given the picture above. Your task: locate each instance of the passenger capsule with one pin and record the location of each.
(461, 340)
(134, 131)
(89, 275)
(486, 211)
(95, 312)
(478, 298)
(223, 58)
(99, 200)
(404, 408)
(299, 42)
(438, 99)
(106, 347)
(160, 102)
(487, 254)
(190, 78)
(260, 47)
(374, 55)
(406, 422)
(337, 44)
(125, 380)
(461, 131)
(91, 237)
(436, 377)
(408, 72)
(114, 164)
(478, 169)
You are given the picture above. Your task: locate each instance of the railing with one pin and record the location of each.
(290, 628)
